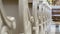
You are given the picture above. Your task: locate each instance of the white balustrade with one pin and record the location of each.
(39, 20)
(46, 16)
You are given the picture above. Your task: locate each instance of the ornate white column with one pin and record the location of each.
(35, 11)
(27, 24)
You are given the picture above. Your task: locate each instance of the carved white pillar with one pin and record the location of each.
(27, 24)
(35, 5)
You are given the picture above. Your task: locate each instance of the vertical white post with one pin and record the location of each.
(35, 4)
(41, 18)
(27, 24)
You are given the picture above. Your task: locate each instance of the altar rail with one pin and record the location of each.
(39, 19)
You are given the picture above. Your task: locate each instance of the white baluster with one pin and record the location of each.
(35, 11)
(27, 24)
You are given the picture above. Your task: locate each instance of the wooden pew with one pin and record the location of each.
(56, 13)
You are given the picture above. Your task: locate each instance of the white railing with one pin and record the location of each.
(45, 12)
(40, 19)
